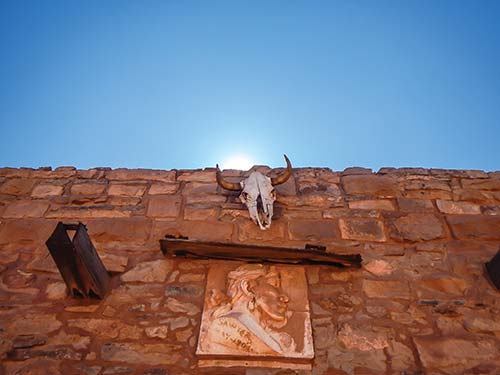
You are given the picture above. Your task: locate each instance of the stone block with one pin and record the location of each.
(87, 212)
(417, 227)
(205, 175)
(428, 194)
(454, 354)
(376, 185)
(123, 174)
(55, 291)
(374, 204)
(138, 353)
(482, 184)
(426, 184)
(124, 190)
(364, 229)
(248, 231)
(129, 231)
(207, 230)
(88, 188)
(356, 171)
(17, 186)
(313, 230)
(27, 231)
(415, 205)
(198, 213)
(106, 328)
(475, 226)
(163, 188)
(450, 207)
(164, 206)
(148, 272)
(34, 324)
(25, 209)
(386, 289)
(446, 284)
(47, 190)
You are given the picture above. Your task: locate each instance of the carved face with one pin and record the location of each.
(255, 186)
(272, 303)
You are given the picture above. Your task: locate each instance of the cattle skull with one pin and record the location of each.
(254, 186)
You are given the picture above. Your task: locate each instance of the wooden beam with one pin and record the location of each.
(78, 262)
(175, 247)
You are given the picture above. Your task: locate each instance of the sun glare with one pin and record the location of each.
(237, 162)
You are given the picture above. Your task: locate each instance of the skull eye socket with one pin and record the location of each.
(273, 194)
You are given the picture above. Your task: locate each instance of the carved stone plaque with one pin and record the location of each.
(256, 315)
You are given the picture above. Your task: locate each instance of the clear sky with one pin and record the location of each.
(187, 84)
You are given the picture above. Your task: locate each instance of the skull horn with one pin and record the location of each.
(285, 175)
(225, 184)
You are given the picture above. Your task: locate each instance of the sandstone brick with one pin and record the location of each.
(386, 289)
(149, 354)
(475, 226)
(376, 185)
(114, 263)
(417, 227)
(206, 175)
(88, 188)
(446, 284)
(106, 328)
(356, 171)
(148, 272)
(404, 171)
(123, 174)
(428, 194)
(195, 213)
(34, 324)
(158, 331)
(380, 204)
(454, 354)
(476, 196)
(482, 184)
(482, 325)
(25, 209)
(415, 205)
(248, 231)
(87, 212)
(16, 172)
(17, 186)
(364, 229)
(450, 207)
(487, 210)
(207, 230)
(426, 184)
(56, 291)
(47, 190)
(379, 267)
(313, 230)
(164, 206)
(165, 188)
(178, 306)
(126, 190)
(27, 231)
(129, 231)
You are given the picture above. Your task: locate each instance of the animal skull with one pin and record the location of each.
(254, 186)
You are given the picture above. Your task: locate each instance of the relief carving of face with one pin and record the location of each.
(271, 303)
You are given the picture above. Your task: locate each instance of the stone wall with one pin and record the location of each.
(419, 305)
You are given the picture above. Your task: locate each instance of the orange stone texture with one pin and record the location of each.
(420, 304)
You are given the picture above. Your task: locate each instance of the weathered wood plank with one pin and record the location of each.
(256, 254)
(78, 262)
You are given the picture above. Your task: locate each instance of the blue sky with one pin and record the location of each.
(187, 84)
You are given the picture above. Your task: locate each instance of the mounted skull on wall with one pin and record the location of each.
(254, 186)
